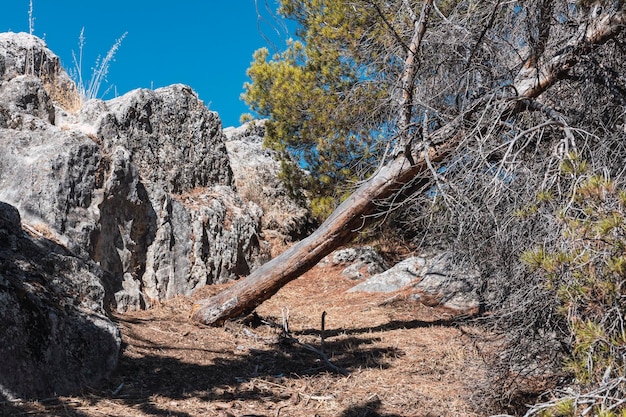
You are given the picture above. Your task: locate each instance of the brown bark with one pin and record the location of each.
(360, 208)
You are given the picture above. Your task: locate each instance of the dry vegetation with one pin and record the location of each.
(403, 360)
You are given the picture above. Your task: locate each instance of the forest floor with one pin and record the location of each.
(401, 359)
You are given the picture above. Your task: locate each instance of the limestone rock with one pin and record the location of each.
(362, 262)
(171, 220)
(446, 285)
(174, 140)
(432, 280)
(53, 177)
(256, 172)
(395, 278)
(56, 338)
(24, 54)
(26, 94)
(140, 184)
(21, 53)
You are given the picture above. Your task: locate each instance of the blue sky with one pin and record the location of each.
(205, 44)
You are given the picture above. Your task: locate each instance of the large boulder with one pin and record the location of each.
(435, 281)
(140, 184)
(55, 336)
(256, 171)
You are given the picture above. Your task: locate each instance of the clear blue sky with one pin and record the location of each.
(205, 44)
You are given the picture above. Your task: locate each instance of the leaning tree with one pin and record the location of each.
(440, 93)
(496, 128)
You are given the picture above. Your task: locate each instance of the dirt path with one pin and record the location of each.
(403, 360)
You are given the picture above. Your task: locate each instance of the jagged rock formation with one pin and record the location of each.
(256, 171)
(55, 335)
(140, 184)
(435, 281)
(186, 226)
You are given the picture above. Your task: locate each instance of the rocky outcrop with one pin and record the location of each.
(140, 184)
(435, 281)
(256, 171)
(174, 141)
(23, 54)
(168, 198)
(127, 202)
(55, 335)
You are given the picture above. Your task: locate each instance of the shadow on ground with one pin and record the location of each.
(392, 325)
(228, 376)
(369, 409)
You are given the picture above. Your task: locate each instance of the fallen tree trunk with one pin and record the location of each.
(342, 226)
(360, 208)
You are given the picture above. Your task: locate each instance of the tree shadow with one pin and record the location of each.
(231, 376)
(46, 407)
(369, 409)
(391, 325)
(176, 379)
(350, 353)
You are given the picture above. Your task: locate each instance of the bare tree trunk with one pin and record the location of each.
(360, 208)
(344, 224)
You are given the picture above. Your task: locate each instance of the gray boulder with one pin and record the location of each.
(359, 262)
(435, 281)
(395, 278)
(56, 337)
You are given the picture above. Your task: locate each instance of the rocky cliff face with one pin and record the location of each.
(141, 184)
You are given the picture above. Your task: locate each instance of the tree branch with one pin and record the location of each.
(532, 82)
(408, 81)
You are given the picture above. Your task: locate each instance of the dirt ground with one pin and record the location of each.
(401, 359)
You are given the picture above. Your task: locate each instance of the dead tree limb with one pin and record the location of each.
(408, 79)
(360, 208)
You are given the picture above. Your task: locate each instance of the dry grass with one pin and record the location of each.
(41, 230)
(61, 89)
(404, 360)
